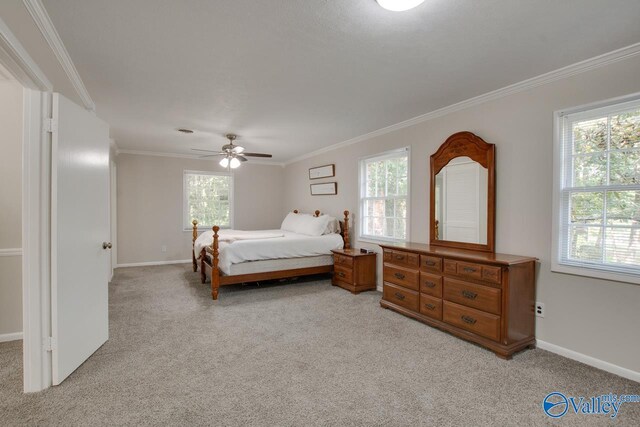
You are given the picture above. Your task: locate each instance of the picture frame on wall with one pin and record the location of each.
(324, 189)
(325, 171)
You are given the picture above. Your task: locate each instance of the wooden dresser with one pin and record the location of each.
(483, 297)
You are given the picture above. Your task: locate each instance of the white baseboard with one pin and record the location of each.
(588, 360)
(146, 264)
(11, 337)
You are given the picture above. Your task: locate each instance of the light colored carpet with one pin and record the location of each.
(295, 354)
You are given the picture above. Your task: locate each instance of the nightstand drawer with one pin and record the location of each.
(342, 274)
(483, 298)
(401, 276)
(430, 306)
(343, 260)
(401, 296)
(401, 258)
(476, 321)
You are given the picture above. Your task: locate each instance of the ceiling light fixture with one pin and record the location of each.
(399, 5)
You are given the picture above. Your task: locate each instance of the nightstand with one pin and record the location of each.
(354, 271)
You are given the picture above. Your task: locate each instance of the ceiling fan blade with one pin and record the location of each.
(241, 158)
(208, 151)
(208, 155)
(257, 155)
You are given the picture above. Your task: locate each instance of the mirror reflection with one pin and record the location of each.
(461, 201)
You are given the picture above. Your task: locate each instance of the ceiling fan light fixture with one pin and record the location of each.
(224, 162)
(399, 5)
(234, 163)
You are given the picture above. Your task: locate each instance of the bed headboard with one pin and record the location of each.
(344, 226)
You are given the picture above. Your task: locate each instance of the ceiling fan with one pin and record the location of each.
(233, 154)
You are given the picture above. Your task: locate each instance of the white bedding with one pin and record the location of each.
(263, 247)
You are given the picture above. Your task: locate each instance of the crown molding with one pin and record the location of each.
(189, 156)
(46, 27)
(19, 63)
(543, 79)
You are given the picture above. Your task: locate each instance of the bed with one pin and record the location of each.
(234, 256)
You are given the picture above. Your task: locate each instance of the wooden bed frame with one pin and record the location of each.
(220, 279)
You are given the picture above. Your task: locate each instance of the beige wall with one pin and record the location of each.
(149, 204)
(595, 317)
(10, 206)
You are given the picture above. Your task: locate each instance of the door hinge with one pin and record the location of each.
(50, 125)
(48, 343)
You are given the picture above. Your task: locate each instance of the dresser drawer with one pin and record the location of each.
(401, 296)
(431, 284)
(401, 258)
(492, 274)
(450, 266)
(430, 306)
(401, 276)
(342, 274)
(476, 321)
(343, 260)
(481, 297)
(430, 263)
(468, 269)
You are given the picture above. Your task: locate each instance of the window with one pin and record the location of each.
(597, 194)
(384, 200)
(208, 197)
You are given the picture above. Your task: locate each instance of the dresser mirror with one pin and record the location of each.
(463, 193)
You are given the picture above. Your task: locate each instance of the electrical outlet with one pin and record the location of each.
(539, 309)
(164, 248)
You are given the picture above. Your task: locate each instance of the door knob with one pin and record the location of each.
(106, 245)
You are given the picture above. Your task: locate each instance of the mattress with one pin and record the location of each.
(251, 267)
(288, 245)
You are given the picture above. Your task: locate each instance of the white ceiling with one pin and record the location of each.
(297, 75)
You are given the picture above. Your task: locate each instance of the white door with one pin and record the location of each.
(79, 226)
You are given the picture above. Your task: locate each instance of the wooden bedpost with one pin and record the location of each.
(193, 243)
(295, 211)
(215, 272)
(347, 245)
(316, 213)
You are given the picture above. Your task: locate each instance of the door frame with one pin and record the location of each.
(36, 212)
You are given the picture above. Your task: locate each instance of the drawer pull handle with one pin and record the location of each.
(430, 284)
(399, 296)
(469, 294)
(469, 320)
(469, 270)
(399, 257)
(399, 276)
(430, 306)
(430, 263)
(341, 274)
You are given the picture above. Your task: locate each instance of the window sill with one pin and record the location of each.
(595, 273)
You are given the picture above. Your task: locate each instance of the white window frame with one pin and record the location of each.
(186, 221)
(361, 190)
(559, 216)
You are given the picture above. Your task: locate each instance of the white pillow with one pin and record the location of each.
(333, 226)
(290, 222)
(305, 224)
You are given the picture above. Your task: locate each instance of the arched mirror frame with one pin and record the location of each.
(458, 145)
